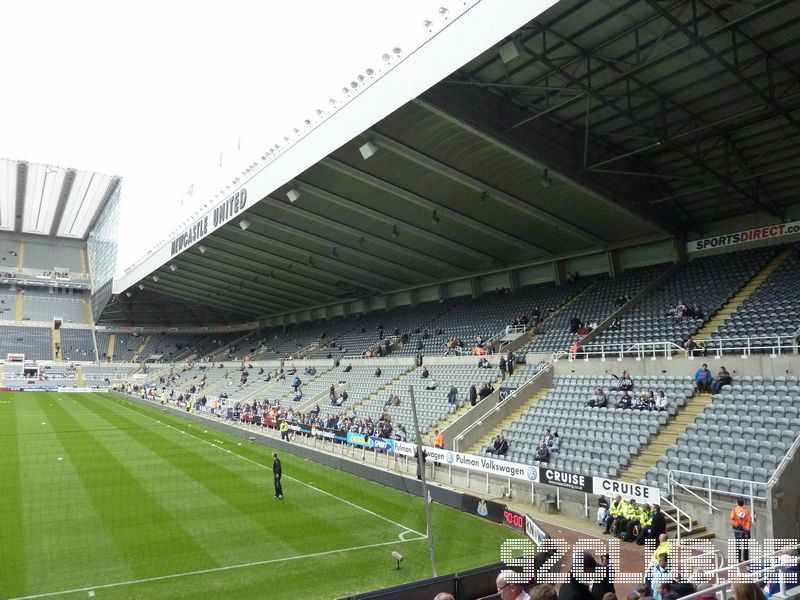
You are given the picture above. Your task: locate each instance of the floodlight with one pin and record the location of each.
(128, 294)
(141, 287)
(202, 249)
(244, 224)
(367, 150)
(173, 268)
(508, 51)
(155, 277)
(293, 194)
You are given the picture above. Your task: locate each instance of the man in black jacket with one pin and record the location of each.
(656, 527)
(277, 473)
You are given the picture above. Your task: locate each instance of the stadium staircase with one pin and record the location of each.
(112, 344)
(658, 445)
(56, 340)
(83, 261)
(87, 311)
(140, 349)
(506, 423)
(712, 327)
(2, 372)
(79, 378)
(21, 255)
(19, 307)
(356, 408)
(657, 448)
(527, 340)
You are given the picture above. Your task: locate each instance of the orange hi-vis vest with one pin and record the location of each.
(740, 518)
(438, 441)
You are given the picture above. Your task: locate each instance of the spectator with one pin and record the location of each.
(507, 590)
(625, 401)
(624, 382)
(378, 372)
(483, 363)
(598, 399)
(693, 348)
(452, 395)
(486, 390)
(660, 401)
(747, 591)
(555, 444)
(575, 589)
(602, 510)
(424, 373)
(542, 453)
(503, 446)
(510, 360)
(431, 385)
(574, 325)
(473, 395)
(659, 575)
(702, 379)
(722, 379)
(543, 591)
(604, 589)
(502, 366)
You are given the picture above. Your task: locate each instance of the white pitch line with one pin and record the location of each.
(258, 464)
(210, 570)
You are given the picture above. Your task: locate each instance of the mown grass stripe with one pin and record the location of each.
(120, 507)
(224, 474)
(12, 554)
(206, 483)
(57, 510)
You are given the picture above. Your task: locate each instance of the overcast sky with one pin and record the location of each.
(156, 91)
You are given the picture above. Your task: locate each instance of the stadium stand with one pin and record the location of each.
(598, 441)
(43, 306)
(597, 303)
(40, 255)
(709, 282)
(76, 344)
(33, 342)
(103, 375)
(742, 435)
(773, 309)
(125, 345)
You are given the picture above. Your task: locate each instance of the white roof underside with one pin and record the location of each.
(51, 200)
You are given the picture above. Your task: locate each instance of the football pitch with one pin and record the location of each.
(102, 497)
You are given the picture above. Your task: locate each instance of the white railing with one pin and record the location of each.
(680, 516)
(516, 329)
(775, 345)
(754, 490)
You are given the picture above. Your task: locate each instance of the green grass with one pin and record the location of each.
(101, 494)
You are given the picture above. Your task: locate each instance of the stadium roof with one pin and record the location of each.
(586, 127)
(50, 200)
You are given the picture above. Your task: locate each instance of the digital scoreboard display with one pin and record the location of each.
(514, 520)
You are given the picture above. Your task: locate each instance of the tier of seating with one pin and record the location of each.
(8, 302)
(742, 435)
(40, 255)
(125, 345)
(773, 309)
(77, 344)
(104, 375)
(709, 282)
(597, 303)
(361, 383)
(45, 305)
(33, 342)
(594, 441)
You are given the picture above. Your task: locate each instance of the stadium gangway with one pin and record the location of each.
(752, 487)
(760, 574)
(639, 351)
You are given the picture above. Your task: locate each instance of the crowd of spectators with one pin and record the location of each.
(705, 383)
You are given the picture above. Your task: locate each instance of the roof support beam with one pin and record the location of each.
(296, 278)
(66, 188)
(358, 276)
(395, 190)
(22, 182)
(507, 200)
(436, 264)
(192, 293)
(382, 264)
(227, 281)
(263, 276)
(457, 247)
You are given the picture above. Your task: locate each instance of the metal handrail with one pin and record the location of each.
(711, 490)
(496, 407)
(679, 514)
(776, 344)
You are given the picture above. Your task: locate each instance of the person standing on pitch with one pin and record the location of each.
(277, 472)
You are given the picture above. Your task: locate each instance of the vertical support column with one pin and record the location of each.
(475, 286)
(559, 271)
(613, 264)
(513, 281)
(679, 253)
